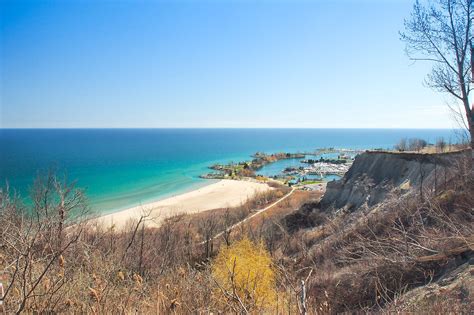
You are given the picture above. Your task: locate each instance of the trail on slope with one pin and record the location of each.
(257, 212)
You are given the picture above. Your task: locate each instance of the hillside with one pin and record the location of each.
(395, 222)
(377, 176)
(374, 175)
(371, 243)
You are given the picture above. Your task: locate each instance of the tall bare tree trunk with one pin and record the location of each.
(470, 124)
(140, 261)
(470, 120)
(471, 129)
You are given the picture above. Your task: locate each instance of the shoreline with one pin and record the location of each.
(157, 196)
(221, 194)
(185, 201)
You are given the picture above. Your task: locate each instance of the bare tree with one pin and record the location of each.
(416, 144)
(440, 32)
(441, 144)
(207, 228)
(34, 243)
(402, 145)
(227, 227)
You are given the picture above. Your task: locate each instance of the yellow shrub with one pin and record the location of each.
(245, 269)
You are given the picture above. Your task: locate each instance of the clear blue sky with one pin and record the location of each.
(211, 64)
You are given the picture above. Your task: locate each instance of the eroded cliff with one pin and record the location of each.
(375, 174)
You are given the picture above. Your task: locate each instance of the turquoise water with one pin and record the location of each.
(119, 168)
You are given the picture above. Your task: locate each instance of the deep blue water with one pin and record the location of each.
(124, 167)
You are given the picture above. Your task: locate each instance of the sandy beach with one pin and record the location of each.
(225, 193)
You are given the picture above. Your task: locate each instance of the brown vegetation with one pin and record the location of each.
(364, 260)
(83, 268)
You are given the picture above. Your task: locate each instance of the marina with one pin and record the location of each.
(306, 170)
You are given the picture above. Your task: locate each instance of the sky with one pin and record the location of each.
(212, 64)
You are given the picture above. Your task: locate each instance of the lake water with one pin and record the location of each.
(119, 168)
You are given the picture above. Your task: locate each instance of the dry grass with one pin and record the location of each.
(97, 270)
(366, 263)
(362, 261)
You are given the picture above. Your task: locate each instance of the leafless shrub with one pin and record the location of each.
(359, 261)
(412, 144)
(381, 255)
(402, 145)
(34, 245)
(441, 145)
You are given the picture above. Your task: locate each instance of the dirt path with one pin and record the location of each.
(252, 216)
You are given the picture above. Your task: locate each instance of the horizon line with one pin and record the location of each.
(295, 128)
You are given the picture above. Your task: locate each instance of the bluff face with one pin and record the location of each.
(376, 174)
(372, 230)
